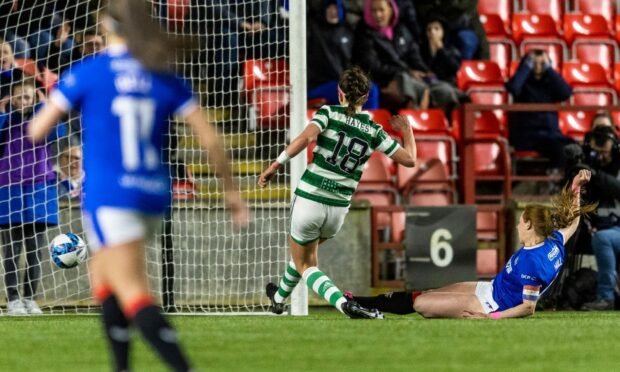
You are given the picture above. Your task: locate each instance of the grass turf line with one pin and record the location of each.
(327, 341)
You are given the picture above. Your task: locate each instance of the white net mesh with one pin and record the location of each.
(199, 263)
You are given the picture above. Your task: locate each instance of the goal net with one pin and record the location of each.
(197, 263)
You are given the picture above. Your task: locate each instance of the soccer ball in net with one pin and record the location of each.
(68, 250)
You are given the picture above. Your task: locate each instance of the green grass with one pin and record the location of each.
(326, 341)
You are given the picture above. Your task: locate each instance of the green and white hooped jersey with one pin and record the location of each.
(343, 147)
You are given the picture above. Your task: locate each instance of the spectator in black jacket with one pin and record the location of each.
(330, 49)
(444, 61)
(464, 28)
(536, 82)
(388, 51)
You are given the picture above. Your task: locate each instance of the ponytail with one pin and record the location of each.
(560, 215)
(147, 42)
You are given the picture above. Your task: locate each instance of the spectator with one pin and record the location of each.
(69, 172)
(28, 198)
(330, 48)
(354, 10)
(464, 30)
(387, 50)
(57, 48)
(444, 61)
(536, 82)
(600, 153)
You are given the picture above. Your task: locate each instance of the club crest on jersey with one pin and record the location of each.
(554, 253)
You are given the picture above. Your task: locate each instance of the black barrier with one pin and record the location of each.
(441, 246)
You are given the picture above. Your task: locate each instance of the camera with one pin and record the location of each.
(595, 153)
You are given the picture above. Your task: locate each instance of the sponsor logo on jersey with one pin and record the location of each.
(509, 267)
(554, 253)
(557, 264)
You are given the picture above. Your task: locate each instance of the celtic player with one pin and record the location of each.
(346, 137)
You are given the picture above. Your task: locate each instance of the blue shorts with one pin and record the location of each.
(30, 203)
(110, 226)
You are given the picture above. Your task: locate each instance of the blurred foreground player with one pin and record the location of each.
(346, 137)
(513, 293)
(126, 96)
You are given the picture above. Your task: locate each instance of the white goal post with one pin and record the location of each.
(252, 86)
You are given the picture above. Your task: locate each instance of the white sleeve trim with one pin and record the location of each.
(186, 108)
(60, 100)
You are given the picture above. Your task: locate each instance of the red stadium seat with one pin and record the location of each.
(601, 51)
(491, 97)
(556, 49)
(585, 25)
(479, 74)
(575, 123)
(533, 26)
(493, 25)
(431, 122)
(382, 117)
(590, 84)
(604, 8)
(429, 152)
(265, 72)
(428, 184)
(486, 262)
(376, 184)
(271, 107)
(45, 78)
(502, 51)
(617, 77)
(594, 96)
(615, 115)
(579, 74)
(552, 8)
(499, 8)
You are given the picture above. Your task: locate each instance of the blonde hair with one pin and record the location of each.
(561, 214)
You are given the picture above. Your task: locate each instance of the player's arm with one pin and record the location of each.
(210, 141)
(297, 145)
(523, 310)
(407, 154)
(579, 180)
(44, 120)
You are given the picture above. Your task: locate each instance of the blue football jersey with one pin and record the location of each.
(529, 272)
(125, 114)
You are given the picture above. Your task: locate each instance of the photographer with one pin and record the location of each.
(600, 153)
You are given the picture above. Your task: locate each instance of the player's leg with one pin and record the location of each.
(125, 273)
(121, 265)
(462, 287)
(446, 305)
(116, 326)
(34, 241)
(12, 241)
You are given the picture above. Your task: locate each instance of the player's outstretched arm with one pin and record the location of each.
(43, 121)
(579, 180)
(210, 141)
(298, 145)
(523, 310)
(407, 155)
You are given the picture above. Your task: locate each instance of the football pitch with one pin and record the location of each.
(327, 341)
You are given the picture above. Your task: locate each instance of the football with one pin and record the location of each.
(68, 250)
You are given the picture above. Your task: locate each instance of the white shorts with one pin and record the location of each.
(109, 226)
(484, 292)
(311, 220)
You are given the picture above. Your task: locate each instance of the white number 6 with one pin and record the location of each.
(440, 241)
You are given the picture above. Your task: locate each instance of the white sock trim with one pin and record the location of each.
(339, 304)
(309, 271)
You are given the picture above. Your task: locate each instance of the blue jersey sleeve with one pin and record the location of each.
(72, 88)
(184, 102)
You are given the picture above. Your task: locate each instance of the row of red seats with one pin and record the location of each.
(499, 17)
(591, 83)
